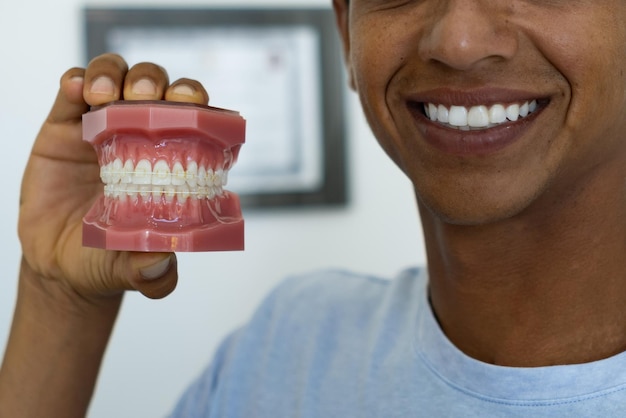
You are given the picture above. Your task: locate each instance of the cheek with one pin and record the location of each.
(591, 63)
(372, 61)
(371, 74)
(375, 65)
(381, 42)
(597, 83)
(596, 117)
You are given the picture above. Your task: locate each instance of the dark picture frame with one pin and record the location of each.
(296, 146)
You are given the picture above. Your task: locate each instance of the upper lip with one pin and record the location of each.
(477, 97)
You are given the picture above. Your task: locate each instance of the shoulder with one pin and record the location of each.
(327, 287)
(310, 330)
(337, 287)
(332, 298)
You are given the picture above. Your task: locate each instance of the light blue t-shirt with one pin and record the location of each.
(336, 344)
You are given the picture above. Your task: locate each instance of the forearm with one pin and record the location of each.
(54, 351)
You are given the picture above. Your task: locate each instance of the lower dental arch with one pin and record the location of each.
(162, 180)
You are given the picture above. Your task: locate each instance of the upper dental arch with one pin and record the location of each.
(145, 179)
(482, 116)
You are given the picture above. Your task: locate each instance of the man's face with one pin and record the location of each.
(491, 106)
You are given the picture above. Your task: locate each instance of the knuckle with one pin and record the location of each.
(73, 72)
(145, 80)
(108, 59)
(103, 78)
(148, 69)
(186, 89)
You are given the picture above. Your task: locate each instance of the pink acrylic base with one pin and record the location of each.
(222, 238)
(172, 133)
(214, 237)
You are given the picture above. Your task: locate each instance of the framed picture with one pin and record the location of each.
(281, 69)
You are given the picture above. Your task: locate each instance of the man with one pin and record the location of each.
(508, 117)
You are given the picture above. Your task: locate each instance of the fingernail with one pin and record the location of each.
(103, 85)
(144, 86)
(184, 90)
(157, 270)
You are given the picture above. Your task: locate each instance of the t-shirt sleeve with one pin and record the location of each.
(201, 398)
(197, 398)
(304, 325)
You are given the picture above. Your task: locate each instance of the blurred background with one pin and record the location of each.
(159, 347)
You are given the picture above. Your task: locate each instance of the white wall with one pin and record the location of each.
(159, 346)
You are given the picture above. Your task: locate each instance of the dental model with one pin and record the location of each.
(164, 166)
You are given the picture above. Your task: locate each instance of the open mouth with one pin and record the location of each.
(164, 167)
(479, 117)
(478, 129)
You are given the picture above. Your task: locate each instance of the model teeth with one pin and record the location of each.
(179, 176)
(478, 117)
(161, 174)
(161, 180)
(142, 174)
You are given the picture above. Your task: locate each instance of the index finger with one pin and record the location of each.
(104, 79)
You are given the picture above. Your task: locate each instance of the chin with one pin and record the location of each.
(475, 210)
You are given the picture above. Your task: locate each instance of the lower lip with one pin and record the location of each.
(473, 142)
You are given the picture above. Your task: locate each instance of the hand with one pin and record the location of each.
(62, 181)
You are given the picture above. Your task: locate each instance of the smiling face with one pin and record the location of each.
(488, 105)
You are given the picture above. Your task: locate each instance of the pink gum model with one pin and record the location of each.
(164, 166)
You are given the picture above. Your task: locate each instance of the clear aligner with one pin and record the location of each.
(143, 179)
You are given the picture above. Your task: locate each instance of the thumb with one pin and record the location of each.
(61, 134)
(155, 275)
(69, 105)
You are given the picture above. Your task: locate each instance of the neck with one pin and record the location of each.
(543, 288)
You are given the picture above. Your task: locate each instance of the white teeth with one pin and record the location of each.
(161, 175)
(105, 173)
(458, 116)
(184, 192)
(497, 114)
(132, 190)
(192, 174)
(161, 181)
(202, 177)
(169, 192)
(219, 179)
(523, 110)
(127, 172)
(478, 117)
(432, 111)
(116, 170)
(512, 112)
(143, 173)
(211, 178)
(156, 191)
(145, 191)
(443, 114)
(178, 174)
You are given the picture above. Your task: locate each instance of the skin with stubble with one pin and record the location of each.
(523, 221)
